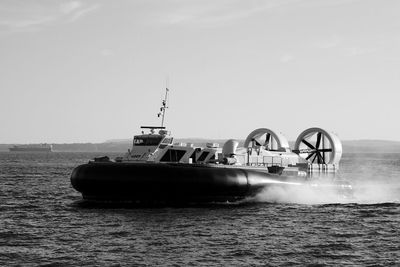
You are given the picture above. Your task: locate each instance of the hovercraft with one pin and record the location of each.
(156, 169)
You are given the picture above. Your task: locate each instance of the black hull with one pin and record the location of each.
(168, 182)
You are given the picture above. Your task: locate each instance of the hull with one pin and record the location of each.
(171, 182)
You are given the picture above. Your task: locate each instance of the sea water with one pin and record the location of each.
(43, 222)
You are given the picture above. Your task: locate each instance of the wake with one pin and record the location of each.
(363, 193)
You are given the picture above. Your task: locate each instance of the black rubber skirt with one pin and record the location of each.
(110, 181)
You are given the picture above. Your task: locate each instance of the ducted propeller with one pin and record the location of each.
(318, 146)
(267, 138)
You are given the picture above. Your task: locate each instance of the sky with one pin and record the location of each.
(91, 71)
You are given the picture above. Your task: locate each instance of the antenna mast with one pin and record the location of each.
(163, 107)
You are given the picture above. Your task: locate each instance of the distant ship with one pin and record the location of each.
(32, 148)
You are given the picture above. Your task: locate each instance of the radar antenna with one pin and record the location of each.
(163, 107)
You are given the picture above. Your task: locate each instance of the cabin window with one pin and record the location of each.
(147, 141)
(167, 140)
(203, 156)
(138, 141)
(173, 155)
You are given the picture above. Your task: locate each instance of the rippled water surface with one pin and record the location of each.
(44, 222)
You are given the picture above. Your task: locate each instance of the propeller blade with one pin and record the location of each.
(319, 135)
(325, 150)
(309, 156)
(314, 157)
(319, 158)
(257, 143)
(308, 144)
(267, 137)
(323, 159)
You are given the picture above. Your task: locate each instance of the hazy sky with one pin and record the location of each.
(88, 71)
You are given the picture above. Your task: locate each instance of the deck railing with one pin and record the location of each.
(262, 161)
